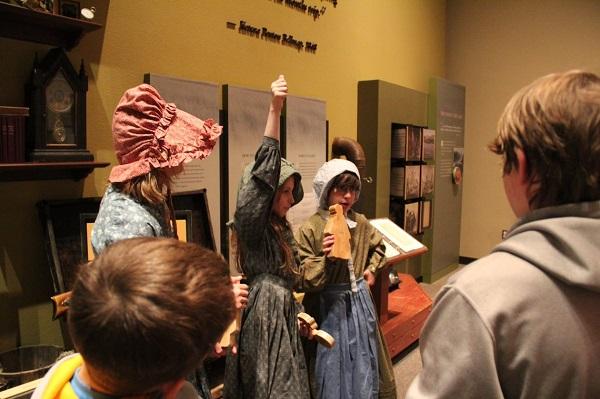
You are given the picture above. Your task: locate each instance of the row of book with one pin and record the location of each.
(12, 134)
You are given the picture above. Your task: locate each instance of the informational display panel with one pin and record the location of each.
(447, 117)
(247, 112)
(200, 99)
(306, 148)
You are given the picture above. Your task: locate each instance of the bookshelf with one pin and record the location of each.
(22, 23)
(28, 171)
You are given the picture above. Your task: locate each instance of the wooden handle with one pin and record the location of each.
(321, 336)
(60, 304)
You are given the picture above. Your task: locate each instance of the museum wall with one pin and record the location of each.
(494, 48)
(397, 41)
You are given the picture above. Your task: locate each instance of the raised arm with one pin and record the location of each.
(279, 90)
(258, 186)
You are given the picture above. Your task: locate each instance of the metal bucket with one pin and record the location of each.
(27, 363)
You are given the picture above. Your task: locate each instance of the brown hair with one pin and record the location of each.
(150, 188)
(283, 233)
(346, 181)
(148, 310)
(555, 121)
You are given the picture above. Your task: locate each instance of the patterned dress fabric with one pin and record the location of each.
(270, 361)
(121, 217)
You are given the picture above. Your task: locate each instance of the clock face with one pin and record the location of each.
(59, 94)
(60, 111)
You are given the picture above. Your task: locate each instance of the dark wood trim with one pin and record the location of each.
(47, 170)
(42, 27)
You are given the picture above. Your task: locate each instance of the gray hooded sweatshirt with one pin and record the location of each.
(524, 321)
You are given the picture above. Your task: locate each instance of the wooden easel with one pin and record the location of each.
(403, 311)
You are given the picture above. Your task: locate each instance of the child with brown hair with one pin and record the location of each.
(142, 316)
(270, 361)
(153, 139)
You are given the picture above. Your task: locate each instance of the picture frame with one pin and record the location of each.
(411, 218)
(425, 213)
(413, 143)
(427, 180)
(428, 145)
(69, 8)
(67, 228)
(412, 177)
(398, 150)
(183, 219)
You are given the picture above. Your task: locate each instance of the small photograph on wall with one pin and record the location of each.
(428, 144)
(413, 143)
(397, 181)
(425, 213)
(411, 181)
(398, 142)
(411, 218)
(427, 178)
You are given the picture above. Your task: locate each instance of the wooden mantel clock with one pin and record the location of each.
(57, 99)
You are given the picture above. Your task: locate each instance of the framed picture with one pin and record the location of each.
(69, 8)
(68, 225)
(397, 181)
(411, 218)
(428, 145)
(412, 177)
(425, 213)
(427, 179)
(413, 143)
(183, 220)
(398, 142)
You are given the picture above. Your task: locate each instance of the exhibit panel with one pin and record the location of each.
(447, 117)
(245, 115)
(200, 99)
(306, 148)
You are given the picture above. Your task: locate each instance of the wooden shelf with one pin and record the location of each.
(40, 27)
(47, 170)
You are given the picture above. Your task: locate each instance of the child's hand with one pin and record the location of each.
(369, 277)
(328, 242)
(305, 329)
(279, 89)
(240, 291)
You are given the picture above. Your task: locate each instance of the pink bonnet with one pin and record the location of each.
(150, 133)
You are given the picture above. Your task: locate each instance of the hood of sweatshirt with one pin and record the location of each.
(563, 241)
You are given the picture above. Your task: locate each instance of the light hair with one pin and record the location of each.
(148, 310)
(150, 188)
(555, 121)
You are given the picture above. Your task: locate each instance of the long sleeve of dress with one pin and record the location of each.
(376, 257)
(311, 254)
(256, 192)
(368, 251)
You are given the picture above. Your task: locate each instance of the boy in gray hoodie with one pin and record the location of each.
(524, 321)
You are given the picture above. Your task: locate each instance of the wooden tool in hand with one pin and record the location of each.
(321, 336)
(336, 225)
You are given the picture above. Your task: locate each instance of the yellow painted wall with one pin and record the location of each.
(399, 41)
(494, 48)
